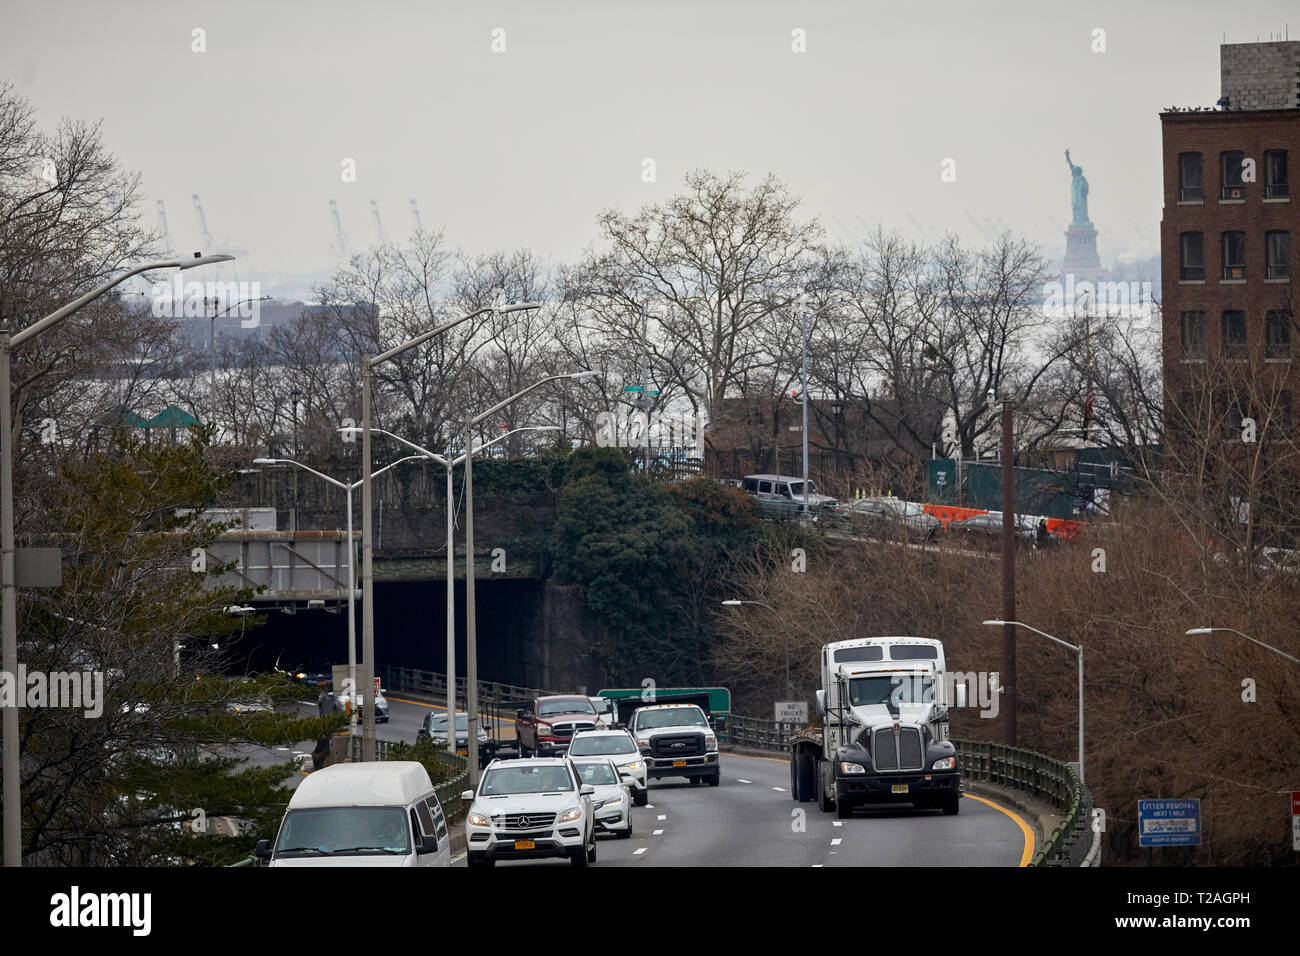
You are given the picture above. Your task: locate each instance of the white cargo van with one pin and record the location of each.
(382, 813)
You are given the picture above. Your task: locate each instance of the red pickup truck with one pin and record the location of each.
(546, 728)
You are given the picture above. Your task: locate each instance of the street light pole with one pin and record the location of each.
(1267, 647)
(367, 567)
(352, 577)
(450, 464)
(10, 774)
(1078, 650)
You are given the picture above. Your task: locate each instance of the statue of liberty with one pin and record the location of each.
(1078, 194)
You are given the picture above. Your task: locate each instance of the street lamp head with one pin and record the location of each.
(995, 623)
(202, 260)
(1200, 630)
(518, 307)
(584, 374)
(266, 461)
(544, 428)
(732, 603)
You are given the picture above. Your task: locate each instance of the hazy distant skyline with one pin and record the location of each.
(523, 148)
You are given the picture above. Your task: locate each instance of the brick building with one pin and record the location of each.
(1227, 263)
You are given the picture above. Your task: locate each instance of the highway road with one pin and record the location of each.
(751, 820)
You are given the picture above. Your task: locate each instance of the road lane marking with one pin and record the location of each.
(640, 851)
(818, 866)
(837, 841)
(837, 823)
(1028, 853)
(663, 816)
(657, 833)
(779, 789)
(738, 780)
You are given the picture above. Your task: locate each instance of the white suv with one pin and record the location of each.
(527, 809)
(620, 747)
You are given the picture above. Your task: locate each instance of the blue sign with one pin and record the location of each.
(1169, 822)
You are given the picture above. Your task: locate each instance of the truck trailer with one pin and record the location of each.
(883, 734)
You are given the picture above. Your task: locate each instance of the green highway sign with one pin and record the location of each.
(653, 392)
(633, 388)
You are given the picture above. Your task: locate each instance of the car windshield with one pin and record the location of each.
(670, 717)
(507, 780)
(569, 705)
(602, 746)
(597, 774)
(343, 831)
(873, 691)
(439, 722)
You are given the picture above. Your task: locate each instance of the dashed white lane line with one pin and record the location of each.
(837, 823)
(738, 780)
(657, 833)
(837, 841)
(779, 789)
(818, 866)
(640, 851)
(649, 806)
(663, 816)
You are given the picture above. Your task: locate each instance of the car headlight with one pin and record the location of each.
(710, 744)
(573, 813)
(635, 765)
(478, 819)
(544, 729)
(944, 763)
(597, 804)
(846, 767)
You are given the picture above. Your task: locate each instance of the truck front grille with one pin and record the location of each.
(903, 752)
(569, 728)
(677, 745)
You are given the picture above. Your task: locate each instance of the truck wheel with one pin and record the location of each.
(715, 779)
(825, 800)
(803, 783)
(843, 809)
(952, 807)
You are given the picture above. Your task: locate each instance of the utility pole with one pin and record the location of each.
(1008, 575)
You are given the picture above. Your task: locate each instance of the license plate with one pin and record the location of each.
(679, 763)
(463, 753)
(525, 845)
(899, 788)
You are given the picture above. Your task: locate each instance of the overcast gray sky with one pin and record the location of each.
(524, 147)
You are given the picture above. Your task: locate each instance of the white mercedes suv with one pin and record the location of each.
(528, 808)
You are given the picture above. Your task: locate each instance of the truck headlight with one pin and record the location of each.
(711, 744)
(945, 763)
(573, 813)
(544, 730)
(846, 767)
(478, 819)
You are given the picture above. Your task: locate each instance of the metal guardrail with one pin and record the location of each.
(1071, 843)
(1047, 779)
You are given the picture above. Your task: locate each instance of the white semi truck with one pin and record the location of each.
(883, 737)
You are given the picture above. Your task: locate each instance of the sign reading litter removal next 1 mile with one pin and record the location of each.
(1169, 822)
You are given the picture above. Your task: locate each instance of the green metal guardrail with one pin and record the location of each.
(1038, 775)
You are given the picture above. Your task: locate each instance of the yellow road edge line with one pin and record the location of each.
(1025, 828)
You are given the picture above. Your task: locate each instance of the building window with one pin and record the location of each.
(1231, 186)
(1278, 253)
(1277, 326)
(1282, 416)
(1275, 186)
(1194, 335)
(1193, 256)
(1234, 255)
(1191, 187)
(1230, 410)
(1234, 334)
